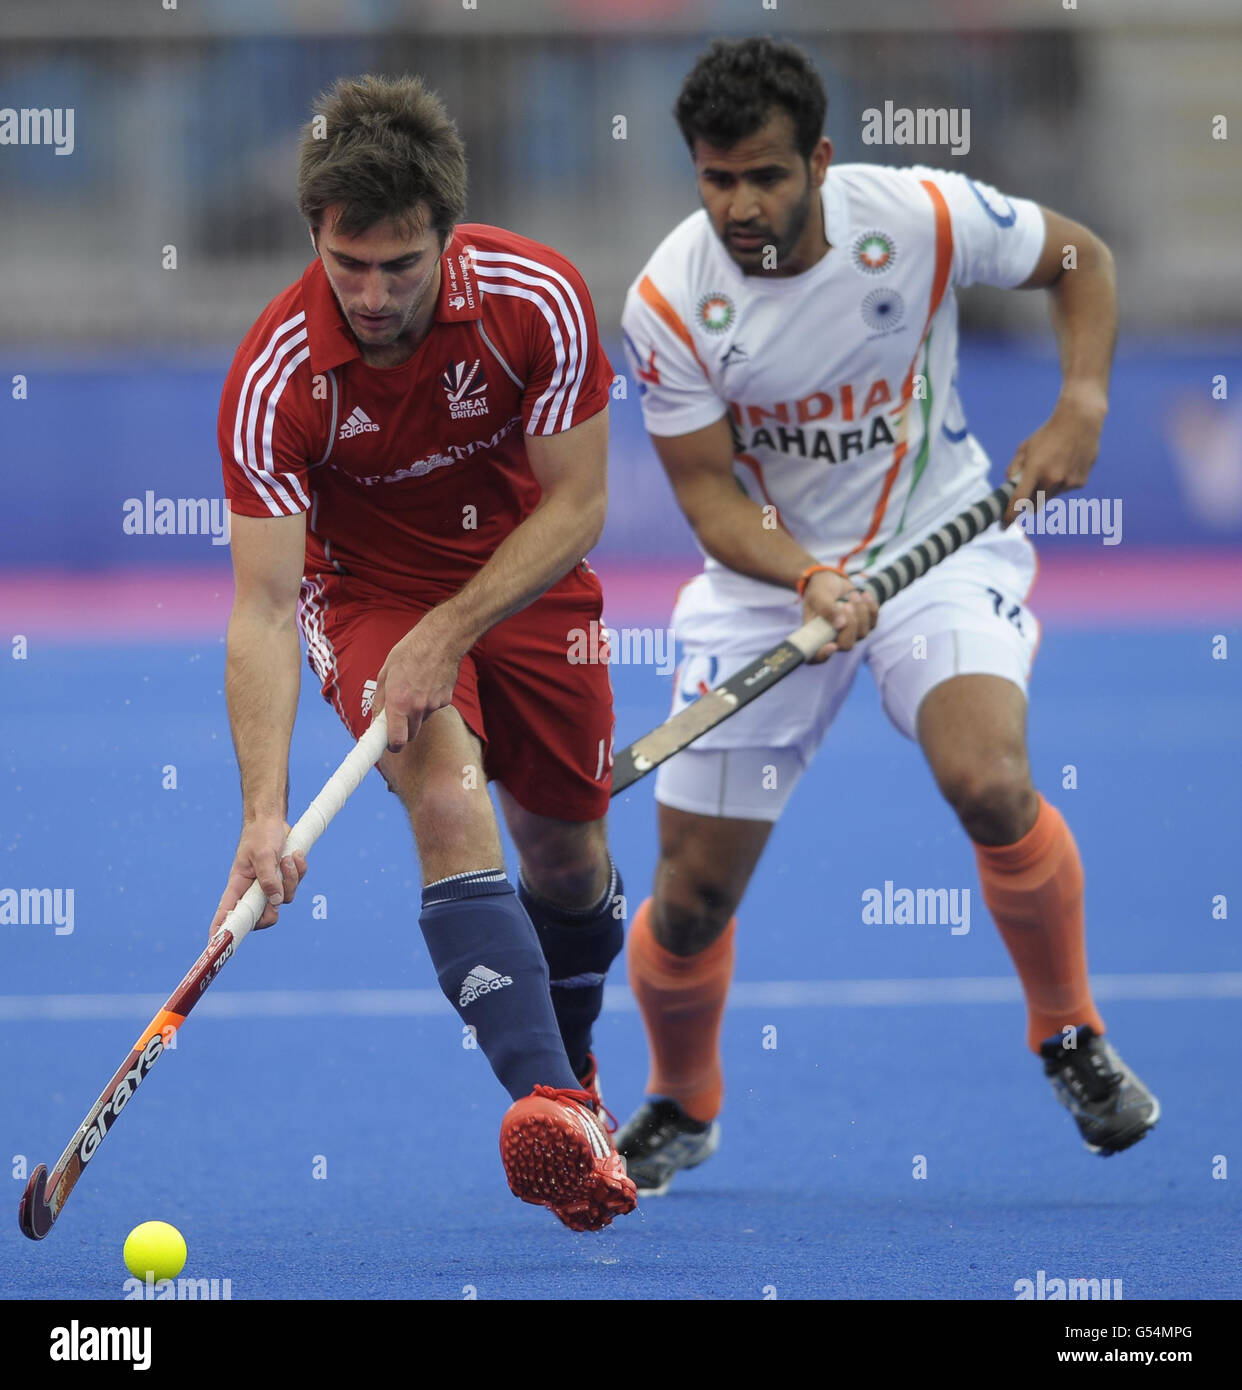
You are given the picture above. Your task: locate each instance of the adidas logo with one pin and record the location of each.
(368, 695)
(481, 980)
(359, 422)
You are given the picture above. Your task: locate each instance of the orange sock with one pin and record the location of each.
(682, 1001)
(1033, 890)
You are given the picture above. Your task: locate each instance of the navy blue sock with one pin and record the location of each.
(579, 947)
(490, 967)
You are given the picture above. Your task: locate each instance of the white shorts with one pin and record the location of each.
(967, 616)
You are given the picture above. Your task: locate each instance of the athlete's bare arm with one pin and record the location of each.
(261, 681)
(1076, 268)
(736, 531)
(572, 471)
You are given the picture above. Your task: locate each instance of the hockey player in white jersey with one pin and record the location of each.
(796, 345)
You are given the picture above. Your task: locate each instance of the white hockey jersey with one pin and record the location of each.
(840, 382)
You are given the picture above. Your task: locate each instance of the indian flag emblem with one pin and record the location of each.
(715, 312)
(874, 252)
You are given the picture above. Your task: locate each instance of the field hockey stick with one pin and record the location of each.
(46, 1193)
(713, 708)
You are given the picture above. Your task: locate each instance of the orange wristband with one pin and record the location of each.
(805, 577)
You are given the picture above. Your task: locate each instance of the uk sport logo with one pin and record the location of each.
(359, 422)
(465, 386)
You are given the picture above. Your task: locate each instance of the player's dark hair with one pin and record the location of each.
(379, 146)
(735, 85)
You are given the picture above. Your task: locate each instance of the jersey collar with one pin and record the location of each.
(328, 335)
(836, 211)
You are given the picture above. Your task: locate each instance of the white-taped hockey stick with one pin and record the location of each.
(46, 1193)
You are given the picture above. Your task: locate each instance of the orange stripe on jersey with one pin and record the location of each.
(944, 248)
(656, 300)
(940, 280)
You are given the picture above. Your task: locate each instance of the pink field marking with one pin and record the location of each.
(1164, 587)
(139, 605)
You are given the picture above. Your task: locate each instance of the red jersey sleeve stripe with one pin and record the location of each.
(269, 423)
(560, 300)
(241, 454)
(264, 397)
(566, 329)
(554, 394)
(253, 454)
(571, 353)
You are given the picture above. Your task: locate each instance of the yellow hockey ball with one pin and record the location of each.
(155, 1248)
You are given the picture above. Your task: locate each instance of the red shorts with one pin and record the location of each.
(545, 722)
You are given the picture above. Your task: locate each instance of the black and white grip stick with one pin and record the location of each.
(751, 681)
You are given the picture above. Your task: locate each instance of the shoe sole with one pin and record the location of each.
(550, 1162)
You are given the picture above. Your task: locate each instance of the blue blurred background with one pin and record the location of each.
(185, 134)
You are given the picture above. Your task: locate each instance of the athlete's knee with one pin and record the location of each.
(568, 865)
(574, 882)
(994, 799)
(689, 910)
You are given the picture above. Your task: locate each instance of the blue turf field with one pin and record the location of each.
(812, 1194)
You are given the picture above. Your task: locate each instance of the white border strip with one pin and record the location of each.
(771, 994)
